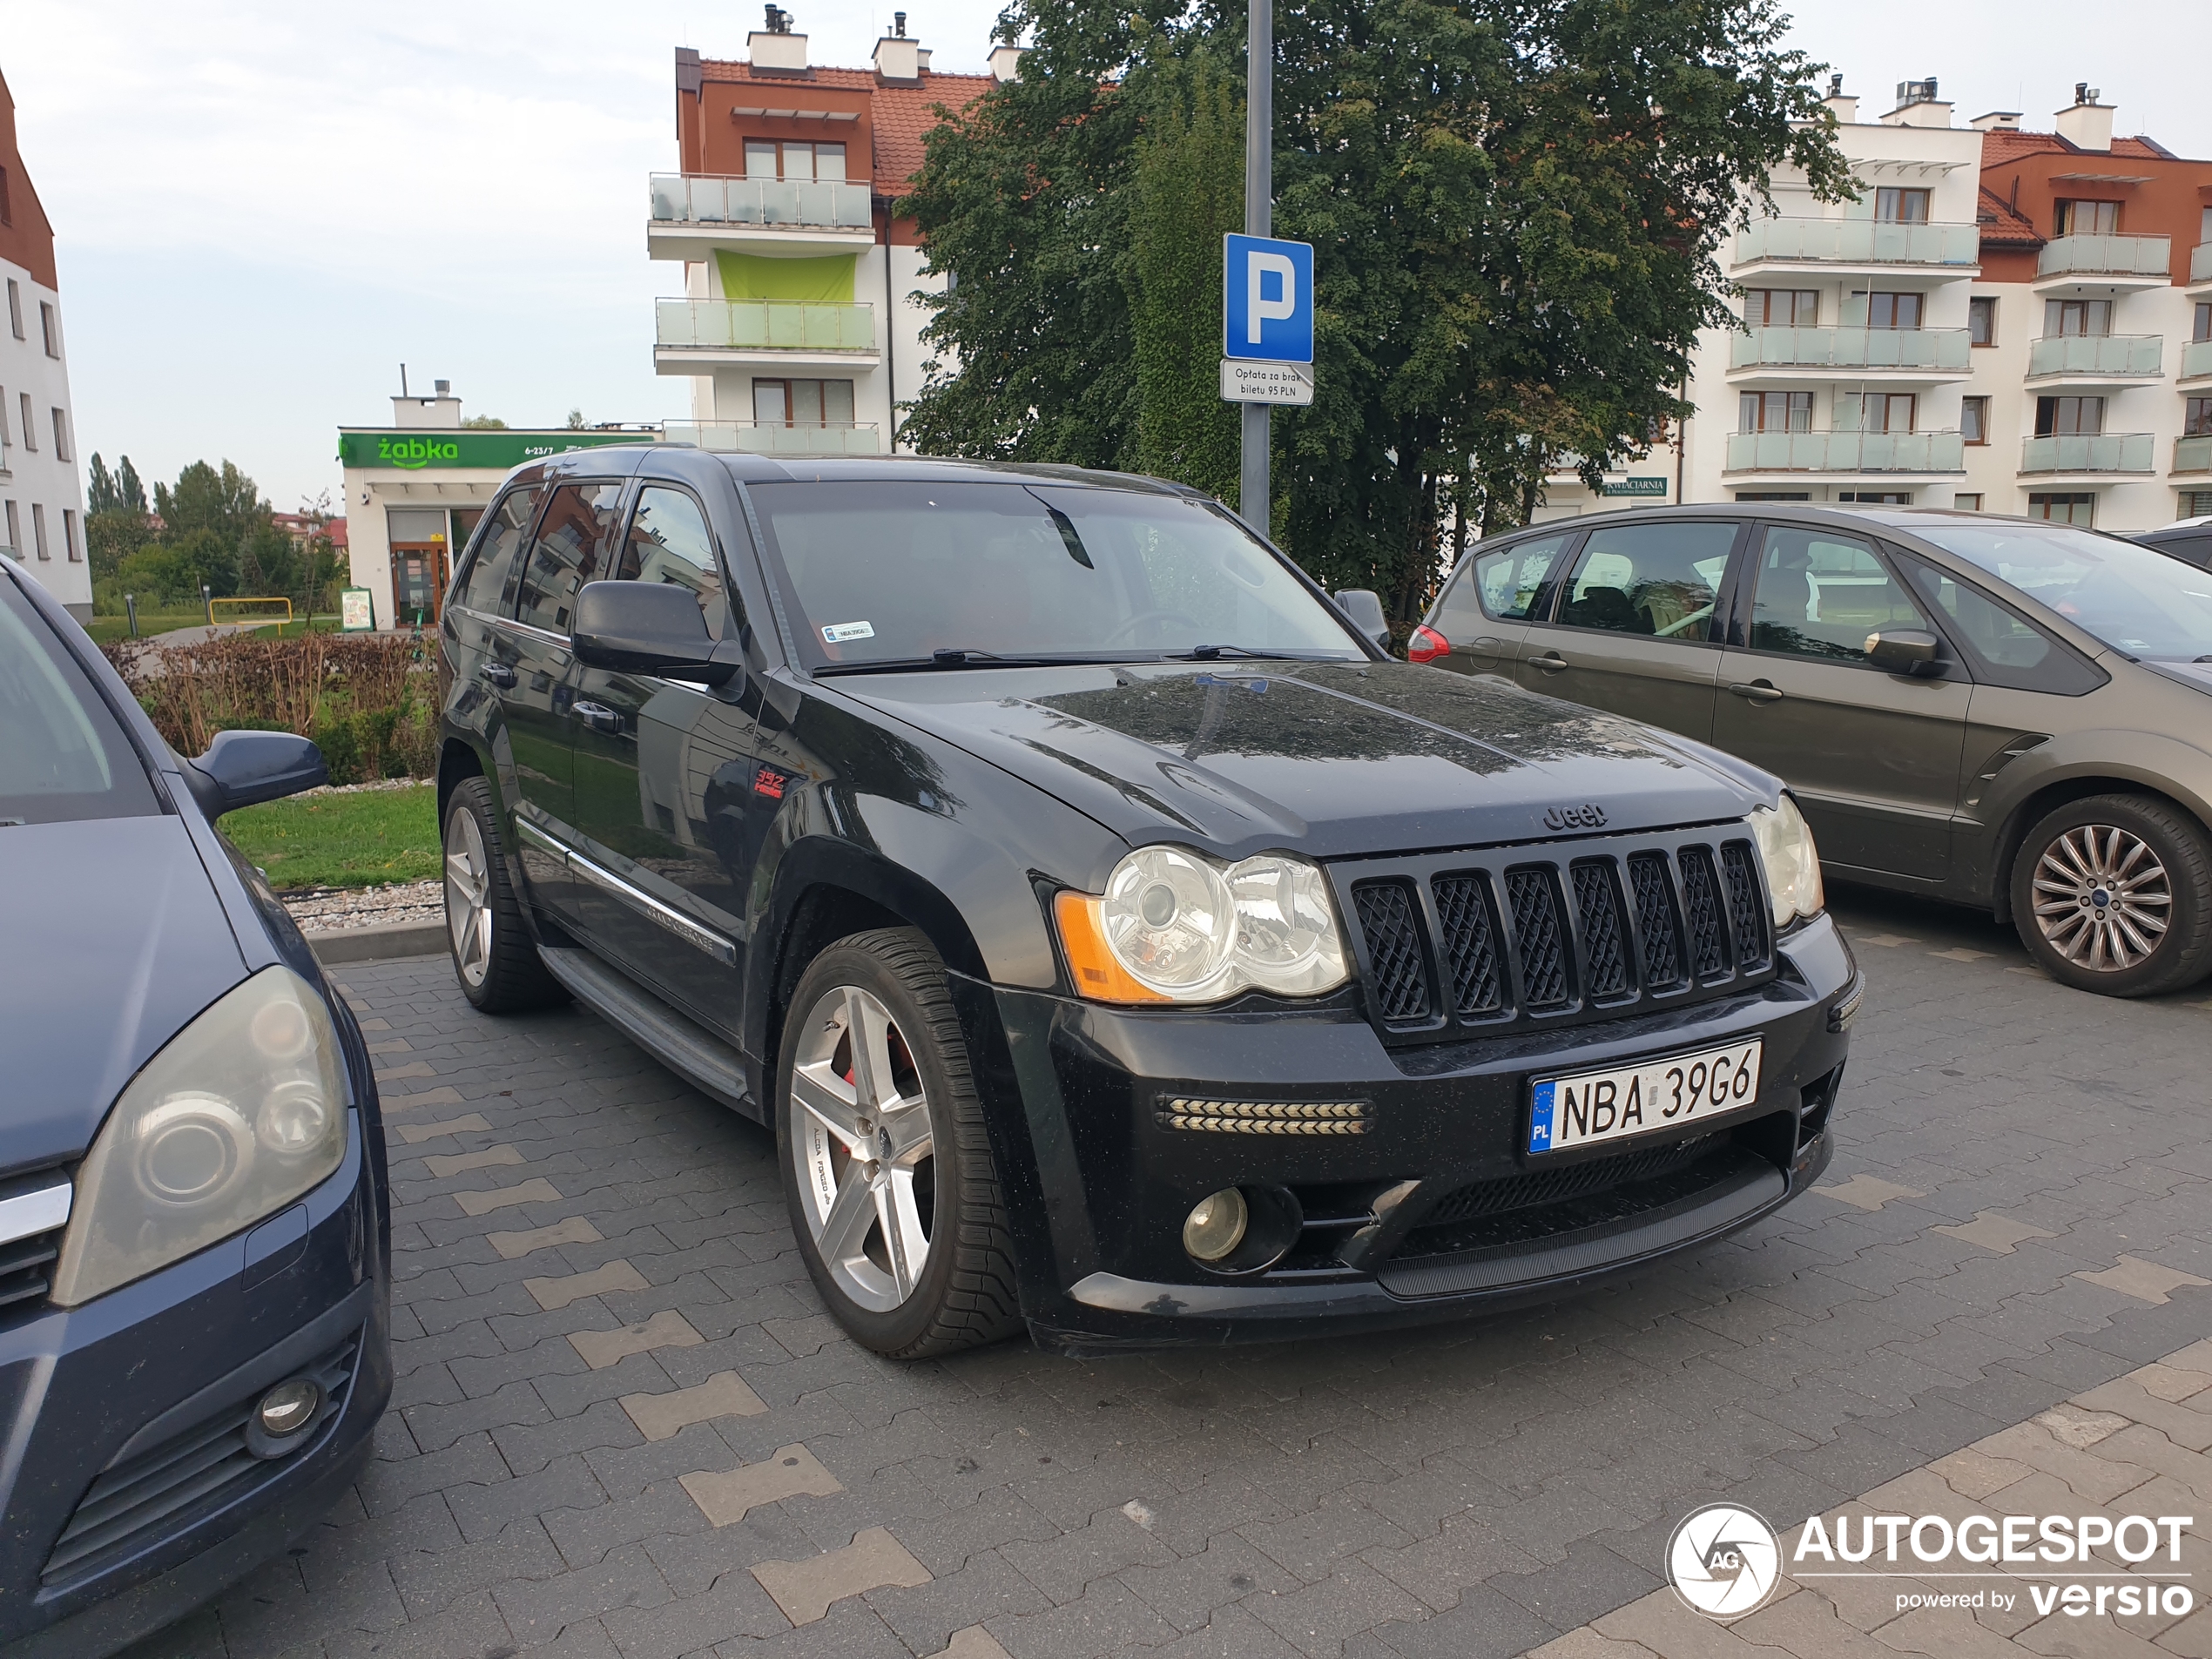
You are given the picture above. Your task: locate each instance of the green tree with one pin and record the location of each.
(1187, 190)
(225, 502)
(575, 423)
(1516, 207)
(485, 423)
(112, 535)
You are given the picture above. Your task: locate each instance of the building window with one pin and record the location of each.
(777, 159)
(1981, 320)
(1894, 310)
(2196, 503)
(1774, 494)
(1966, 503)
(1774, 411)
(1973, 419)
(15, 308)
(2079, 509)
(50, 320)
(2069, 417)
(1884, 411)
(2204, 328)
(30, 429)
(2077, 317)
(816, 403)
(15, 532)
(71, 544)
(1782, 308)
(2087, 219)
(2204, 226)
(7, 212)
(2197, 417)
(4, 438)
(1901, 206)
(39, 529)
(61, 436)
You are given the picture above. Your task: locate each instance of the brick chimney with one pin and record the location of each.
(1840, 103)
(898, 59)
(1006, 64)
(775, 48)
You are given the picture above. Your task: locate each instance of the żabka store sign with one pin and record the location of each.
(1726, 1562)
(490, 450)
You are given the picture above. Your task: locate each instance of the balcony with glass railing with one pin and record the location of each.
(2128, 259)
(776, 438)
(1939, 351)
(2196, 359)
(1846, 452)
(688, 327)
(2193, 454)
(2089, 452)
(2201, 264)
(708, 201)
(1858, 242)
(2096, 357)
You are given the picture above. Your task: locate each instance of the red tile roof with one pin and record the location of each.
(2001, 145)
(902, 115)
(2000, 226)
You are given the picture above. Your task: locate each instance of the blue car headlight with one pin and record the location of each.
(241, 1113)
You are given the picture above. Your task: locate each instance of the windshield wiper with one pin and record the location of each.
(1207, 653)
(963, 658)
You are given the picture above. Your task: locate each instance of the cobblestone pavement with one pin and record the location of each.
(624, 1428)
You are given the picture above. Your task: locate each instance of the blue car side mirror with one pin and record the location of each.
(241, 768)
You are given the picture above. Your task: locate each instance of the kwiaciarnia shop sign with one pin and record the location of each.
(491, 450)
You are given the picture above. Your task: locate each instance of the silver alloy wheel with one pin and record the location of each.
(467, 896)
(865, 1154)
(2103, 898)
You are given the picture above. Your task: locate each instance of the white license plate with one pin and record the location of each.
(1642, 1099)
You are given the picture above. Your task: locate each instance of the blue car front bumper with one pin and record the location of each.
(128, 1492)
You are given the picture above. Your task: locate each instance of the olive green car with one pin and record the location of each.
(2001, 712)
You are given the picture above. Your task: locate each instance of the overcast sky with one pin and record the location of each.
(263, 208)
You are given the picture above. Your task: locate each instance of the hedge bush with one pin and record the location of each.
(369, 701)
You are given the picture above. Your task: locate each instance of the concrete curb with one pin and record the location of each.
(374, 943)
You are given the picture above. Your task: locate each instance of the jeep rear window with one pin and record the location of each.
(62, 755)
(891, 572)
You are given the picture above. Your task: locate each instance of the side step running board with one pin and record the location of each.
(694, 1054)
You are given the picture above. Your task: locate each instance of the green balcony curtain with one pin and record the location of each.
(825, 280)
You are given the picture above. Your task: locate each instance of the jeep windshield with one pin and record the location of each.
(2135, 599)
(889, 575)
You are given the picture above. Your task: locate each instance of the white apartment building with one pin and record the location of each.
(796, 323)
(42, 501)
(2004, 321)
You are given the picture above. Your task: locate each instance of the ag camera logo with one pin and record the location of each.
(1724, 1561)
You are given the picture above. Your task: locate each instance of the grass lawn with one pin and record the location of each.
(107, 629)
(354, 840)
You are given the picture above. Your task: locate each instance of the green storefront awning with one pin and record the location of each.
(493, 450)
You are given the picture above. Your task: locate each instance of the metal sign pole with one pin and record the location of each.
(1259, 220)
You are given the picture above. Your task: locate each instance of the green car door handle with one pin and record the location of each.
(1757, 692)
(1551, 661)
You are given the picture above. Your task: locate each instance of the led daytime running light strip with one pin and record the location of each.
(1266, 1117)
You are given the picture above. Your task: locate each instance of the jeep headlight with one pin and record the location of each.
(1174, 925)
(240, 1114)
(1792, 864)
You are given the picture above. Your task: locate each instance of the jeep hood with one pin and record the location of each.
(1334, 761)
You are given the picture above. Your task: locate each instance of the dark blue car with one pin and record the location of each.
(194, 1237)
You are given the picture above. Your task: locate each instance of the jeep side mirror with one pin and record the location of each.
(1905, 650)
(651, 628)
(243, 768)
(1366, 610)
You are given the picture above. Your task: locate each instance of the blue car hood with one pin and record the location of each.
(114, 939)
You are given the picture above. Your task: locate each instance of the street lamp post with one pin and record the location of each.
(1259, 220)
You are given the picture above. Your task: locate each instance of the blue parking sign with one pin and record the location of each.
(1266, 298)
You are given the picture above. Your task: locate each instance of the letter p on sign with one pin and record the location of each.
(1267, 300)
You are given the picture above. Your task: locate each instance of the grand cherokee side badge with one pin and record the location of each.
(1591, 816)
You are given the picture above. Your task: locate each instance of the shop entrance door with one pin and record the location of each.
(419, 564)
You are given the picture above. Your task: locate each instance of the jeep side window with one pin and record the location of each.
(484, 585)
(573, 542)
(669, 541)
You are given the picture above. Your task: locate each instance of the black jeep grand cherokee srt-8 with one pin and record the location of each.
(1117, 940)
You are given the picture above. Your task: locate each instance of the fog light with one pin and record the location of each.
(289, 1407)
(1215, 1225)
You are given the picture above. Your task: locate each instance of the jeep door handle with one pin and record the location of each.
(497, 674)
(597, 716)
(1551, 661)
(1759, 692)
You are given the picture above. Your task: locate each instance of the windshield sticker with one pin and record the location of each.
(837, 633)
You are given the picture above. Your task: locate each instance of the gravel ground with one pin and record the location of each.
(323, 909)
